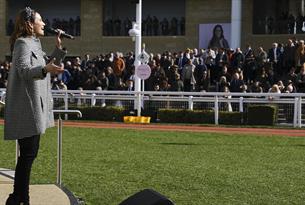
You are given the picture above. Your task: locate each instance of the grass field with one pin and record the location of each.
(105, 166)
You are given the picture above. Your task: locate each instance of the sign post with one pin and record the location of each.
(142, 72)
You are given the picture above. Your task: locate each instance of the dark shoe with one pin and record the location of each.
(12, 200)
(15, 200)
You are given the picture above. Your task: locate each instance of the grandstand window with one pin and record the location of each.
(278, 17)
(59, 14)
(157, 20)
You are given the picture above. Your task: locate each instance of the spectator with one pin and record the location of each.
(118, 64)
(164, 27)
(301, 80)
(274, 58)
(300, 54)
(155, 25)
(256, 87)
(289, 56)
(274, 89)
(174, 26)
(222, 84)
(261, 57)
(188, 76)
(204, 83)
(129, 85)
(291, 76)
(177, 84)
(111, 77)
(85, 63)
(103, 81)
(236, 83)
(238, 59)
(290, 88)
(182, 26)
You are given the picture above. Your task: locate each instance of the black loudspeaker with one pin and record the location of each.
(147, 197)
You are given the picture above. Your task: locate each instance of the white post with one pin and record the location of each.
(59, 151)
(300, 113)
(216, 110)
(17, 152)
(93, 100)
(236, 23)
(241, 104)
(66, 101)
(138, 50)
(295, 113)
(191, 103)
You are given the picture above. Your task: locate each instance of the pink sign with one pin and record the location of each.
(143, 71)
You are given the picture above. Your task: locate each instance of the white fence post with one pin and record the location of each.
(241, 104)
(216, 108)
(66, 100)
(138, 104)
(191, 103)
(295, 112)
(17, 152)
(93, 100)
(300, 113)
(79, 102)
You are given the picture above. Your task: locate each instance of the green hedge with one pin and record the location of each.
(231, 118)
(164, 115)
(99, 113)
(262, 114)
(198, 116)
(255, 115)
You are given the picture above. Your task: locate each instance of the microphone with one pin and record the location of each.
(54, 31)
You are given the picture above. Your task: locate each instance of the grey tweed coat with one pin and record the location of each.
(28, 101)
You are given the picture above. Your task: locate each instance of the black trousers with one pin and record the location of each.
(29, 147)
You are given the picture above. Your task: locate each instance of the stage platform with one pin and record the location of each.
(46, 194)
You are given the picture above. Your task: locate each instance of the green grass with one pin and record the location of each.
(105, 166)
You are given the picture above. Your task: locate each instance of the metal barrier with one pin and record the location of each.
(59, 140)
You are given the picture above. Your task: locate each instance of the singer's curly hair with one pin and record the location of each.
(22, 26)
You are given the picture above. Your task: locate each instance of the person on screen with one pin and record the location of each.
(218, 40)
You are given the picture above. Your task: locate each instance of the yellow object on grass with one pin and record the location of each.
(136, 119)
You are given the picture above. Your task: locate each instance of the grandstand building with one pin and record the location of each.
(100, 25)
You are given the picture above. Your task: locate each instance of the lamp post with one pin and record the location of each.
(136, 32)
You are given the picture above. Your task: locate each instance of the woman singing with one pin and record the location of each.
(28, 109)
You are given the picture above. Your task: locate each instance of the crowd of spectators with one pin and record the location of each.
(284, 24)
(278, 69)
(151, 26)
(71, 25)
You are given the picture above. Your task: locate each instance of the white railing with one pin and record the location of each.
(190, 99)
(59, 141)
